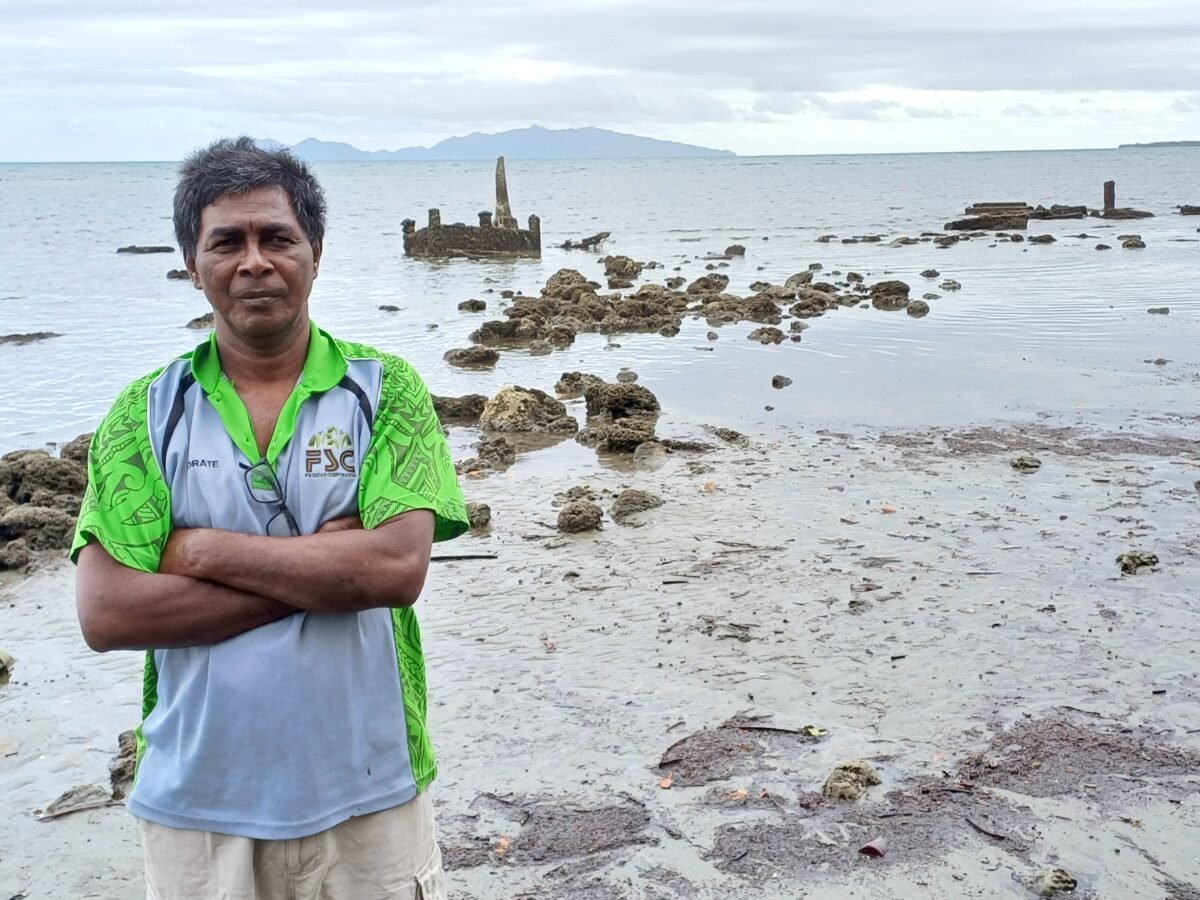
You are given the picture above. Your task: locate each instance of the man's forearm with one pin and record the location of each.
(339, 571)
(124, 609)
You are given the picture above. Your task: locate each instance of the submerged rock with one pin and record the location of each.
(627, 377)
(472, 357)
(201, 322)
(918, 309)
(26, 474)
(735, 250)
(622, 267)
(780, 381)
(138, 248)
(472, 306)
(29, 338)
(1042, 239)
(890, 295)
(41, 528)
(930, 273)
(767, 335)
(575, 383)
(620, 400)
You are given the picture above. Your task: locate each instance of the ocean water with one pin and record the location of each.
(1059, 329)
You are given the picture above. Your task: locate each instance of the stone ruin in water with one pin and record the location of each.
(496, 237)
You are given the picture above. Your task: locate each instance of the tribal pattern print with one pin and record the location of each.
(127, 507)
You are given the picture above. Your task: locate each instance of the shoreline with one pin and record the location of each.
(772, 582)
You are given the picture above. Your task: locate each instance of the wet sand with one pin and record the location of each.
(985, 615)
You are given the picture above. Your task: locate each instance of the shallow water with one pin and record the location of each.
(1056, 328)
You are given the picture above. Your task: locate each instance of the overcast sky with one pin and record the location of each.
(151, 79)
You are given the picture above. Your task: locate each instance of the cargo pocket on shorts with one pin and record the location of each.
(431, 879)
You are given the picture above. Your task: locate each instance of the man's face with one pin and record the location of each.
(254, 263)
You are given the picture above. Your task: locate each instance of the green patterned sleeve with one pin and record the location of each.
(408, 464)
(127, 507)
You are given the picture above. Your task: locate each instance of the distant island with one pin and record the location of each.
(1153, 144)
(521, 143)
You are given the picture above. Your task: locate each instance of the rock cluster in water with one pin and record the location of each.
(40, 497)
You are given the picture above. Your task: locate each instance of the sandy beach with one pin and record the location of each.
(961, 625)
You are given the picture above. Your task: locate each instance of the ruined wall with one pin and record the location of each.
(438, 240)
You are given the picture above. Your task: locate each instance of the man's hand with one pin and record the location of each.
(348, 523)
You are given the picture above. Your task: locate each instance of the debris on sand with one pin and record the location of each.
(732, 748)
(1051, 883)
(479, 515)
(78, 799)
(1026, 463)
(631, 502)
(1133, 560)
(519, 409)
(850, 780)
(121, 768)
(876, 848)
(580, 516)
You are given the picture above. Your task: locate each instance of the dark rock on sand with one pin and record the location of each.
(77, 450)
(518, 409)
(918, 309)
(40, 527)
(15, 555)
(491, 453)
(632, 502)
(136, 248)
(460, 410)
(472, 357)
(479, 515)
(201, 322)
(779, 382)
(29, 338)
(472, 306)
(620, 400)
(25, 474)
(989, 223)
(580, 516)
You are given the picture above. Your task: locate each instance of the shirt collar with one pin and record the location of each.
(324, 366)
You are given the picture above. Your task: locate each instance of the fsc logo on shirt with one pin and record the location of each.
(330, 452)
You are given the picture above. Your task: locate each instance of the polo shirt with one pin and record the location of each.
(293, 727)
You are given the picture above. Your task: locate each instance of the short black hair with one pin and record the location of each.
(237, 166)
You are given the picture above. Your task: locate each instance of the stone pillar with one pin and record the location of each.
(504, 216)
(485, 219)
(1110, 195)
(435, 218)
(535, 224)
(408, 226)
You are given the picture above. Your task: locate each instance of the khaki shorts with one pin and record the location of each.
(388, 855)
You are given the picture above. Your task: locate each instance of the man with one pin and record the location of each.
(259, 519)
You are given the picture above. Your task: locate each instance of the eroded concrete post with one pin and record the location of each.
(485, 219)
(1110, 195)
(504, 216)
(435, 218)
(408, 226)
(535, 225)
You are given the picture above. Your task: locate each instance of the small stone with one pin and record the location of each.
(472, 306)
(850, 780)
(712, 335)
(930, 273)
(950, 285)
(479, 515)
(1051, 883)
(1133, 560)
(1026, 464)
(631, 502)
(767, 335)
(580, 516)
(918, 309)
(780, 381)
(627, 377)
(1103, 247)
